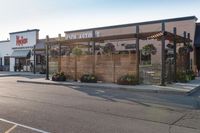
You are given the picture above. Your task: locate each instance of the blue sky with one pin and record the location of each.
(56, 16)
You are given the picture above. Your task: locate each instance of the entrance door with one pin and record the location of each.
(20, 63)
(197, 58)
(6, 63)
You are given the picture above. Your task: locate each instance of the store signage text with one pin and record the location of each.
(20, 40)
(80, 36)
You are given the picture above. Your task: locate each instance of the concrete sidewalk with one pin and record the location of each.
(176, 88)
(7, 74)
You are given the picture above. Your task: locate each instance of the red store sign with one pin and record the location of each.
(20, 40)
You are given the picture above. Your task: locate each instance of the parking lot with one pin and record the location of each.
(12, 127)
(37, 108)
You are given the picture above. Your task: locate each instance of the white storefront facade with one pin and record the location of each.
(16, 54)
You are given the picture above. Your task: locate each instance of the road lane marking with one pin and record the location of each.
(11, 129)
(24, 126)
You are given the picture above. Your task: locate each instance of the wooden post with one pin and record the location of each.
(185, 64)
(93, 51)
(114, 68)
(163, 71)
(34, 60)
(175, 57)
(137, 54)
(189, 62)
(59, 61)
(76, 78)
(47, 58)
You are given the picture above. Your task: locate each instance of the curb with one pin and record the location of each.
(108, 87)
(10, 75)
(193, 91)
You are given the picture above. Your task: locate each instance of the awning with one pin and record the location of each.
(197, 36)
(20, 53)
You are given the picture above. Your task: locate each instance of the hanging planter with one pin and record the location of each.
(185, 49)
(182, 50)
(77, 51)
(189, 47)
(149, 49)
(109, 48)
(171, 46)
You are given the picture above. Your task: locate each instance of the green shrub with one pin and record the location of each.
(127, 80)
(185, 76)
(182, 77)
(89, 78)
(191, 75)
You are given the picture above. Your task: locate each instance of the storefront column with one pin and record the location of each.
(47, 58)
(137, 54)
(34, 60)
(163, 70)
(175, 57)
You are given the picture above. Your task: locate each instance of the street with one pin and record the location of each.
(34, 108)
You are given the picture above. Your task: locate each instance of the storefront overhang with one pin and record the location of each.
(20, 53)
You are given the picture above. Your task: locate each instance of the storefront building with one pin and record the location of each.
(17, 54)
(108, 52)
(124, 59)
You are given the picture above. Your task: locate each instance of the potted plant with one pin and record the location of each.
(88, 78)
(127, 80)
(59, 77)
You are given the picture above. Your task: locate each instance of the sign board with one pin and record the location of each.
(20, 41)
(85, 35)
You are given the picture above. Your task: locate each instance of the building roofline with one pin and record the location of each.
(24, 31)
(139, 23)
(4, 41)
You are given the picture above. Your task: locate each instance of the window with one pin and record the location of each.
(145, 59)
(6, 61)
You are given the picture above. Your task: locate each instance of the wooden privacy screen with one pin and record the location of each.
(107, 68)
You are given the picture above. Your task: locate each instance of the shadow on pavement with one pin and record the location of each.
(142, 98)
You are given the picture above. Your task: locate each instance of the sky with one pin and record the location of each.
(53, 17)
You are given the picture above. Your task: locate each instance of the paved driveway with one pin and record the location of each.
(59, 109)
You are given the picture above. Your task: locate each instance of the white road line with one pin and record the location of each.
(12, 128)
(24, 126)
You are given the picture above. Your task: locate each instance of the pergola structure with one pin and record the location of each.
(162, 36)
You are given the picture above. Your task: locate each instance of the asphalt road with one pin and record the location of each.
(31, 108)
